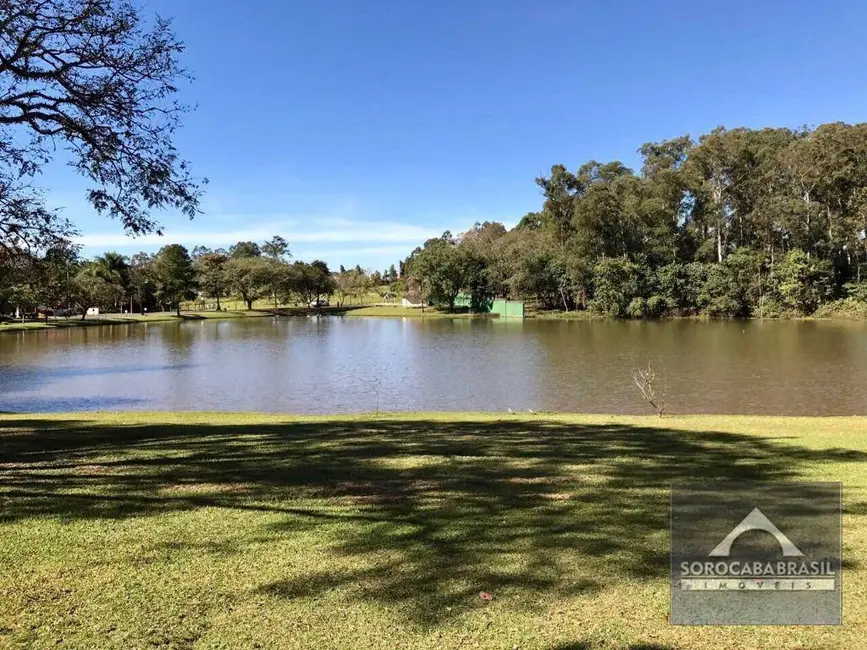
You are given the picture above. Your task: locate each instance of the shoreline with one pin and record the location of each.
(360, 311)
(366, 312)
(684, 420)
(162, 317)
(119, 319)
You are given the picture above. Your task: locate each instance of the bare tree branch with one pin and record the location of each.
(94, 78)
(646, 382)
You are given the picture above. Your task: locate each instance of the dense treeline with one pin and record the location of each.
(59, 281)
(740, 223)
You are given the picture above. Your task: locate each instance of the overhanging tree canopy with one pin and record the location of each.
(90, 77)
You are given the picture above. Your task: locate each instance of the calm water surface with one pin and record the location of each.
(334, 364)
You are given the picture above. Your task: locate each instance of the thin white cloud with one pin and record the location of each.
(380, 251)
(327, 231)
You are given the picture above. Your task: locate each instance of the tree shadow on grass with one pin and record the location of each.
(418, 514)
(584, 645)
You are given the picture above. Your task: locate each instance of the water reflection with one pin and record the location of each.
(325, 365)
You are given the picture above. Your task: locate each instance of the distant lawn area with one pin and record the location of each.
(396, 311)
(265, 531)
(224, 313)
(120, 319)
(268, 303)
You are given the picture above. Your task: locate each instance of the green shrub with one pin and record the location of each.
(637, 308)
(720, 294)
(768, 308)
(656, 306)
(845, 308)
(802, 282)
(723, 306)
(856, 290)
(680, 284)
(615, 284)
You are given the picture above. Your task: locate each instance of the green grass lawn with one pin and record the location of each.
(163, 316)
(255, 531)
(120, 319)
(397, 311)
(226, 312)
(268, 303)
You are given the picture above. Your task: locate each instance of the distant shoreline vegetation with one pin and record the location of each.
(740, 223)
(56, 323)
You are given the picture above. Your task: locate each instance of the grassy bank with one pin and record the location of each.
(411, 312)
(121, 319)
(255, 531)
(267, 304)
(161, 317)
(347, 310)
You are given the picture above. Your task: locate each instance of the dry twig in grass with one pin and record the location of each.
(646, 380)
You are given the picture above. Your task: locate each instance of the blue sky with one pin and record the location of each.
(359, 128)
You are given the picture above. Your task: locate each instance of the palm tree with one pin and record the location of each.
(114, 269)
(93, 289)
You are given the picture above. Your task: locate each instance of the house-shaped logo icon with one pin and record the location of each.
(756, 520)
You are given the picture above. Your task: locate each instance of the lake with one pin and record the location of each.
(345, 364)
